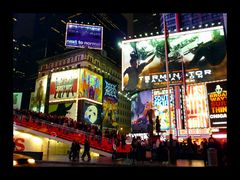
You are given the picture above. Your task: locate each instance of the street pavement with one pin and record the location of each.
(63, 161)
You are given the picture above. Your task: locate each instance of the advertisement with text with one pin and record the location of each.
(160, 103)
(110, 104)
(197, 112)
(217, 102)
(202, 51)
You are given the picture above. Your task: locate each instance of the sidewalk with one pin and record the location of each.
(107, 161)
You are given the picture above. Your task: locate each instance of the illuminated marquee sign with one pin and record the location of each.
(203, 52)
(217, 100)
(160, 80)
(84, 36)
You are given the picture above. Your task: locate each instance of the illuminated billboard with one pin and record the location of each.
(91, 113)
(197, 113)
(90, 85)
(84, 36)
(66, 109)
(110, 104)
(217, 103)
(17, 100)
(141, 105)
(203, 52)
(63, 85)
(160, 103)
(40, 93)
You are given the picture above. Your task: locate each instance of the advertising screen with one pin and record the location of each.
(92, 113)
(217, 103)
(203, 52)
(67, 109)
(160, 103)
(197, 113)
(63, 85)
(17, 100)
(141, 107)
(40, 93)
(110, 103)
(84, 36)
(32, 102)
(90, 85)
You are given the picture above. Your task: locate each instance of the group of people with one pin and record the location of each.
(75, 151)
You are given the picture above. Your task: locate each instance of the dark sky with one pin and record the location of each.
(24, 25)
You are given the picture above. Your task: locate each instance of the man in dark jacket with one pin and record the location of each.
(86, 150)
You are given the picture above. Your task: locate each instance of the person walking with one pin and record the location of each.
(86, 150)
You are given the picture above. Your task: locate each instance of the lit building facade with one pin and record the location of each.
(196, 106)
(66, 78)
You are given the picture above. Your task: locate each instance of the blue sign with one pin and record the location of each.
(84, 36)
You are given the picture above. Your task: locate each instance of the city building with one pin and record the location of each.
(93, 63)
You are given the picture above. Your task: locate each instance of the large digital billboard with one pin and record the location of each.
(202, 51)
(110, 104)
(141, 106)
(90, 85)
(197, 112)
(67, 109)
(63, 85)
(17, 100)
(40, 93)
(160, 103)
(84, 36)
(92, 113)
(217, 103)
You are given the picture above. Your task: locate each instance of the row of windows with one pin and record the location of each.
(124, 112)
(104, 68)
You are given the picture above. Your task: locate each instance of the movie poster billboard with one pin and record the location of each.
(110, 104)
(17, 100)
(32, 102)
(91, 113)
(202, 51)
(141, 106)
(40, 93)
(84, 36)
(197, 112)
(217, 103)
(63, 85)
(160, 103)
(90, 85)
(66, 109)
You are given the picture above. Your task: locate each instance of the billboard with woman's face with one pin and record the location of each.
(63, 85)
(90, 85)
(203, 52)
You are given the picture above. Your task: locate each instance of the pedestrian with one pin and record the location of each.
(86, 150)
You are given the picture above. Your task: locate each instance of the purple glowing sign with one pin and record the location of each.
(84, 36)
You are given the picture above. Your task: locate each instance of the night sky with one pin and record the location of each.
(24, 25)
